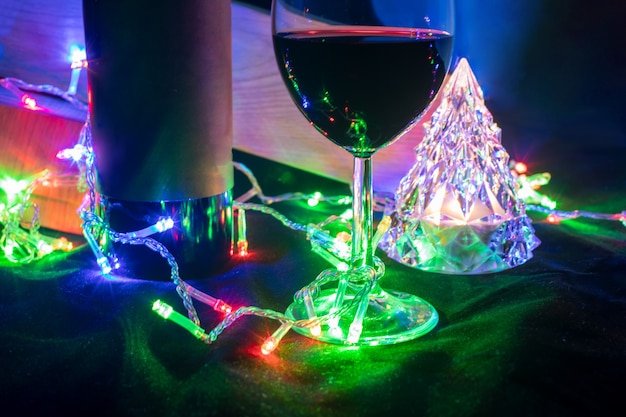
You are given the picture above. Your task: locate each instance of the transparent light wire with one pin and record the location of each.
(16, 85)
(321, 241)
(555, 216)
(20, 239)
(91, 221)
(318, 237)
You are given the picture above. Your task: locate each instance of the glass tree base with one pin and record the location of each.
(391, 317)
(464, 249)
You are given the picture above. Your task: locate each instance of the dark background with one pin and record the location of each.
(547, 338)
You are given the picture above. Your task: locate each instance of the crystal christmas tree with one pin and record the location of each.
(457, 210)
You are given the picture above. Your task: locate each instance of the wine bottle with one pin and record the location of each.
(160, 103)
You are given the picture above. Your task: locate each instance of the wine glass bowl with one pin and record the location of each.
(362, 87)
(362, 73)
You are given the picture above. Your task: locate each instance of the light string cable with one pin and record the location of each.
(305, 296)
(556, 216)
(78, 59)
(334, 249)
(19, 89)
(94, 227)
(322, 242)
(20, 239)
(256, 191)
(95, 230)
(528, 186)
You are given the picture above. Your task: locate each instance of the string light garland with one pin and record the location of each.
(540, 203)
(22, 242)
(21, 89)
(95, 228)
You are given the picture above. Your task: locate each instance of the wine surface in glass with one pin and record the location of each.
(362, 86)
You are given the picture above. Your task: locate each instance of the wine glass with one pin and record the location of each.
(362, 72)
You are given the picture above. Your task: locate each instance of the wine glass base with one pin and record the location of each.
(391, 317)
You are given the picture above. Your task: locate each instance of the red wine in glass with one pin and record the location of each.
(362, 87)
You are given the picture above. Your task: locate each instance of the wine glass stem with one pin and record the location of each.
(362, 253)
